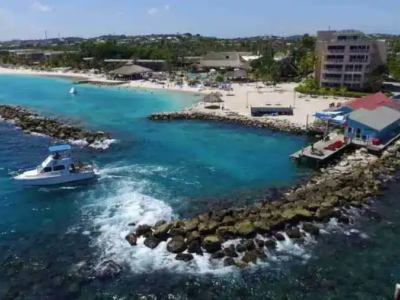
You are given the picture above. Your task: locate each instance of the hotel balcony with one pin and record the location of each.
(332, 70)
(353, 70)
(354, 80)
(359, 51)
(334, 60)
(335, 51)
(332, 79)
(359, 60)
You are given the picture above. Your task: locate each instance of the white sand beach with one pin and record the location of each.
(239, 100)
(244, 96)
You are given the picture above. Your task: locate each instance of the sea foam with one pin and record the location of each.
(124, 202)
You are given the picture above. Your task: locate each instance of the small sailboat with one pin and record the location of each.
(57, 168)
(72, 91)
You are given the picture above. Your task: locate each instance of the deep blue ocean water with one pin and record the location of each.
(158, 171)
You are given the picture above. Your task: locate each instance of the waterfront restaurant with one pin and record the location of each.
(376, 127)
(224, 60)
(130, 72)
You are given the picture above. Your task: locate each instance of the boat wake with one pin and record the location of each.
(122, 201)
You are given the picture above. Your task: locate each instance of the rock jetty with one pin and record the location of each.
(270, 123)
(30, 122)
(299, 212)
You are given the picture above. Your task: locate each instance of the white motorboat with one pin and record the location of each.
(72, 91)
(58, 168)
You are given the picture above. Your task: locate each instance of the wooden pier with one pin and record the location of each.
(322, 150)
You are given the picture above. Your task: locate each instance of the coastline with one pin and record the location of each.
(238, 101)
(241, 236)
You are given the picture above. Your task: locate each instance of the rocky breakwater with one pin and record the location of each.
(192, 114)
(299, 213)
(32, 123)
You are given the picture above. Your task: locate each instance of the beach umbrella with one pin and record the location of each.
(212, 98)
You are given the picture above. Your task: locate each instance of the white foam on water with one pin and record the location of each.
(39, 134)
(124, 203)
(103, 144)
(96, 145)
(80, 143)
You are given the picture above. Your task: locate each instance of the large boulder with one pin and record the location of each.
(248, 244)
(250, 256)
(208, 228)
(143, 230)
(279, 236)
(184, 257)
(293, 233)
(245, 228)
(204, 218)
(325, 212)
(132, 239)
(230, 251)
(211, 243)
(270, 244)
(228, 221)
(178, 231)
(226, 232)
(296, 214)
(262, 226)
(229, 261)
(176, 245)
(192, 236)
(194, 247)
(217, 255)
(311, 229)
(192, 224)
(152, 242)
(161, 232)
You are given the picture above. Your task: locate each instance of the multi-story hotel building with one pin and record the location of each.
(349, 58)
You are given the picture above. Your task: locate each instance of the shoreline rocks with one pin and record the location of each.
(297, 213)
(30, 122)
(270, 123)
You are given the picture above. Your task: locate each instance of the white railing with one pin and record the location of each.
(334, 60)
(333, 70)
(358, 60)
(359, 50)
(335, 51)
(332, 79)
(353, 70)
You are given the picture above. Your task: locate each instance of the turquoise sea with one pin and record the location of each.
(152, 171)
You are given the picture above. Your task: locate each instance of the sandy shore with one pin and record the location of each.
(240, 100)
(244, 96)
(24, 71)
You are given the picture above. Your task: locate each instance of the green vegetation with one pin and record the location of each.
(219, 78)
(310, 86)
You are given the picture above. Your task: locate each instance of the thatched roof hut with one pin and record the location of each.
(130, 69)
(225, 60)
(212, 99)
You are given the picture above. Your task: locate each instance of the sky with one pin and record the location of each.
(29, 19)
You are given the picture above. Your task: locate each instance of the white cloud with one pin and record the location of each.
(152, 11)
(166, 7)
(40, 7)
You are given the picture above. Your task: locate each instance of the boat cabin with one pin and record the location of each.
(59, 160)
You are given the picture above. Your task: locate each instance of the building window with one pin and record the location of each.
(46, 170)
(59, 168)
(350, 130)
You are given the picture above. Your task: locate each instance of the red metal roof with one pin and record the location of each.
(372, 102)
